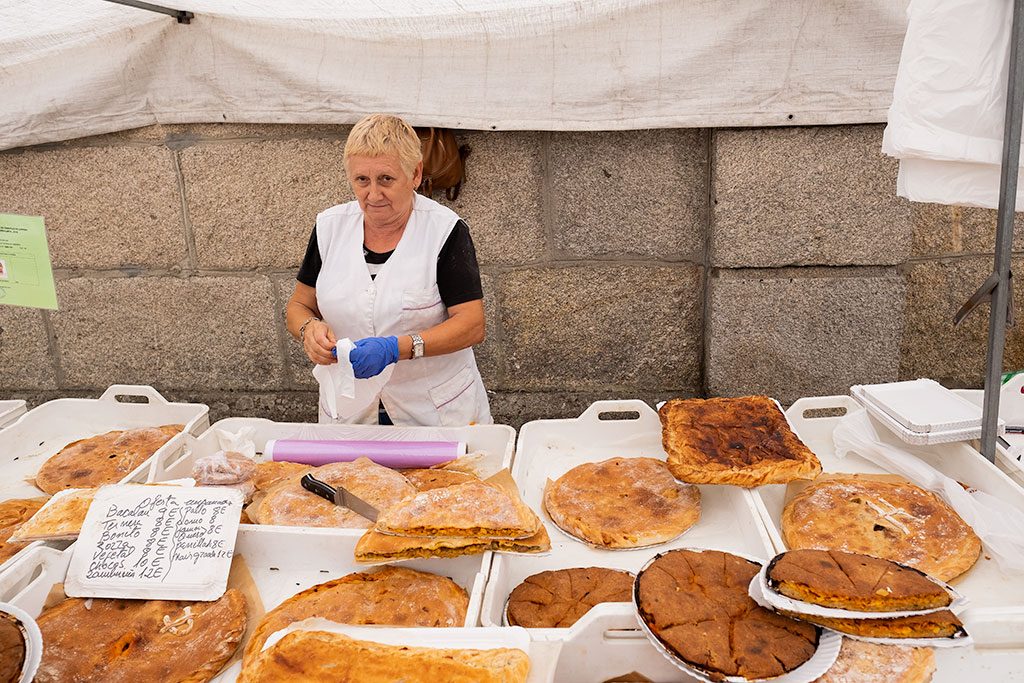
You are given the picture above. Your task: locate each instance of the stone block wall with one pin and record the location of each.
(642, 264)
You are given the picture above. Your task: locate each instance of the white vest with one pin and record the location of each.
(432, 391)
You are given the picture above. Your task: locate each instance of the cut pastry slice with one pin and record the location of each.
(130, 641)
(390, 596)
(476, 509)
(739, 441)
(862, 662)
(622, 503)
(557, 599)
(61, 518)
(323, 657)
(424, 480)
(832, 578)
(375, 547)
(103, 459)
(942, 624)
(14, 513)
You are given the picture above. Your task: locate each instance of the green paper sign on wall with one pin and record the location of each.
(26, 278)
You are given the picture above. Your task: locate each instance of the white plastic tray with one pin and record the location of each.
(993, 596)
(497, 441)
(281, 560)
(41, 432)
(549, 448)
(10, 411)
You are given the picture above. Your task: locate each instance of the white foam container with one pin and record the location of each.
(43, 431)
(10, 411)
(497, 441)
(607, 642)
(282, 561)
(994, 597)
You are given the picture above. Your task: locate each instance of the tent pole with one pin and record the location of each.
(1004, 232)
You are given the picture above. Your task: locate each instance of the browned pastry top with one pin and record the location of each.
(379, 486)
(622, 503)
(269, 473)
(853, 581)
(740, 441)
(323, 657)
(557, 599)
(391, 596)
(863, 662)
(424, 480)
(943, 624)
(103, 459)
(697, 604)
(12, 649)
(14, 513)
(892, 520)
(130, 641)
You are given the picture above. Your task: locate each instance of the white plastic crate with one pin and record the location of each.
(994, 597)
(606, 641)
(43, 431)
(282, 561)
(1011, 406)
(497, 441)
(10, 411)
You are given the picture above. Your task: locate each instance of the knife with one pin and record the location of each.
(339, 495)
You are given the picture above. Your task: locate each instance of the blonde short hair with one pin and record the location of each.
(383, 134)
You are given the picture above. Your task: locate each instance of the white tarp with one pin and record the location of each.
(949, 103)
(70, 68)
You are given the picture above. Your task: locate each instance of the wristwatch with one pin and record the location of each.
(417, 346)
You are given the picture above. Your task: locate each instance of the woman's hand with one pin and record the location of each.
(318, 342)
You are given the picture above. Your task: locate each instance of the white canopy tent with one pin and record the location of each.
(72, 68)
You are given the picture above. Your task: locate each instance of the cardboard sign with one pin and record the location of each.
(157, 543)
(26, 277)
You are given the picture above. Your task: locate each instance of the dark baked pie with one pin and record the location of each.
(557, 599)
(696, 604)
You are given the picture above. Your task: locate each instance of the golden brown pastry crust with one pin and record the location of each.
(862, 662)
(742, 441)
(270, 473)
(62, 518)
(13, 513)
(942, 624)
(12, 649)
(129, 641)
(697, 604)
(374, 546)
(103, 459)
(424, 480)
(322, 657)
(557, 599)
(472, 510)
(892, 520)
(622, 503)
(379, 486)
(390, 596)
(853, 581)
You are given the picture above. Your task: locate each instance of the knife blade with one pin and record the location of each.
(339, 495)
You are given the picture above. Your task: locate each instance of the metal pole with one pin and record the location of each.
(1004, 232)
(181, 15)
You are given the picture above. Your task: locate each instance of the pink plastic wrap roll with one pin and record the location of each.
(395, 454)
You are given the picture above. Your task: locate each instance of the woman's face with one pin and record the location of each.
(384, 191)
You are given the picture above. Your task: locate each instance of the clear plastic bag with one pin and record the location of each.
(233, 464)
(999, 525)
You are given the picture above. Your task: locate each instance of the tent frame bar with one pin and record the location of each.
(1004, 232)
(181, 15)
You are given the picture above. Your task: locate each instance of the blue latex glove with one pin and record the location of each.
(372, 355)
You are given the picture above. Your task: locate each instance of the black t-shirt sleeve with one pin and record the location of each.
(458, 273)
(311, 263)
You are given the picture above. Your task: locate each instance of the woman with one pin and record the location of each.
(395, 272)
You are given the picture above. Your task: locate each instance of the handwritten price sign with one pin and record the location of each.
(156, 542)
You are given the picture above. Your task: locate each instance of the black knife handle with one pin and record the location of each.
(322, 489)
